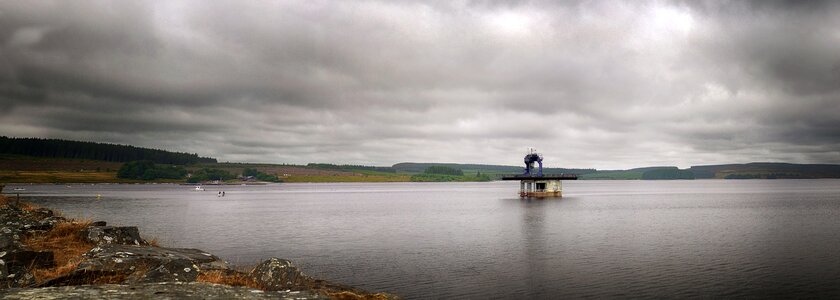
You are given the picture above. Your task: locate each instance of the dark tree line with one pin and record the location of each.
(441, 170)
(147, 170)
(95, 151)
(667, 173)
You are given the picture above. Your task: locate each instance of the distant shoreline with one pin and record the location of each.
(9, 184)
(50, 170)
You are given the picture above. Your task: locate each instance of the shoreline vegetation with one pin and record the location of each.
(40, 170)
(32, 160)
(43, 250)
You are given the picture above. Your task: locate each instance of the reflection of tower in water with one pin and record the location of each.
(535, 247)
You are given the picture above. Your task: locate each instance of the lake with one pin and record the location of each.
(700, 238)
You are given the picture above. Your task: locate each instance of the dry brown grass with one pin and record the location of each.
(28, 206)
(231, 279)
(243, 279)
(12, 201)
(109, 279)
(66, 244)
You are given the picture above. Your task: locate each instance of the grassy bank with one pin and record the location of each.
(612, 175)
(27, 169)
(59, 177)
(348, 178)
(447, 178)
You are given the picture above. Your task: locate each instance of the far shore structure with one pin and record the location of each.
(538, 185)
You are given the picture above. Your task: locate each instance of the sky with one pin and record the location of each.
(589, 84)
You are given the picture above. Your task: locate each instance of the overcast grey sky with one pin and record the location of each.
(604, 84)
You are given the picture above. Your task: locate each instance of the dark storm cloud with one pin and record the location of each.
(786, 56)
(603, 84)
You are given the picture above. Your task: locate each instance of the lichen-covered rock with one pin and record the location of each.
(275, 274)
(41, 213)
(103, 235)
(167, 290)
(10, 238)
(179, 270)
(50, 222)
(25, 258)
(15, 264)
(279, 274)
(140, 264)
(19, 278)
(15, 258)
(23, 220)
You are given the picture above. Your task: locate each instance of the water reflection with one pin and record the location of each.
(535, 244)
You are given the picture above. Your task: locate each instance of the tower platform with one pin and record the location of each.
(541, 186)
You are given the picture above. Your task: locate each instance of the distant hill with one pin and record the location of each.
(56, 148)
(56, 160)
(763, 170)
(350, 168)
(756, 170)
(408, 167)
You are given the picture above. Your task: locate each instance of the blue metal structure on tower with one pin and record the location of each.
(539, 185)
(530, 159)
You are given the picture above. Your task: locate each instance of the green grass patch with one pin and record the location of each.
(612, 175)
(447, 178)
(61, 177)
(347, 178)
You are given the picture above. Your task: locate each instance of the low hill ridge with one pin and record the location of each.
(58, 148)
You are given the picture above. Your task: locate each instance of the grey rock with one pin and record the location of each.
(275, 274)
(15, 258)
(168, 290)
(24, 258)
(50, 222)
(41, 213)
(19, 278)
(279, 274)
(13, 271)
(141, 264)
(15, 265)
(98, 223)
(10, 238)
(39, 219)
(179, 270)
(102, 235)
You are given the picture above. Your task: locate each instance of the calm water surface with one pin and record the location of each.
(702, 238)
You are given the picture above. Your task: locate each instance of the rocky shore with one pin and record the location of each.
(46, 256)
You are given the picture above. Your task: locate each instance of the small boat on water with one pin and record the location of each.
(19, 189)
